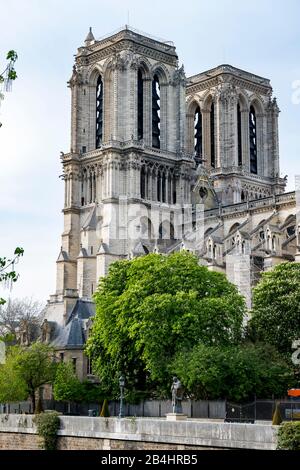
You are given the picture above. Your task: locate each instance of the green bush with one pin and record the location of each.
(47, 427)
(289, 436)
(105, 411)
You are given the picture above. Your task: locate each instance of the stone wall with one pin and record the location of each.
(86, 433)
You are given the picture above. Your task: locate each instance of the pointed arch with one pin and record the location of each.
(93, 74)
(162, 72)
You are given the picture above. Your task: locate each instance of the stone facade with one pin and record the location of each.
(144, 136)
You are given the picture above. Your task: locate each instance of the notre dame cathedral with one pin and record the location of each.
(144, 135)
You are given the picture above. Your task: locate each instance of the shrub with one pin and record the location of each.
(277, 419)
(289, 436)
(47, 427)
(105, 411)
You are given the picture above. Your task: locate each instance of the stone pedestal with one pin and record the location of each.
(176, 416)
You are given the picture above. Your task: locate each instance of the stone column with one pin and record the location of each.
(245, 139)
(232, 133)
(66, 190)
(275, 152)
(74, 117)
(154, 185)
(87, 186)
(132, 121)
(260, 130)
(164, 92)
(206, 137)
(190, 134)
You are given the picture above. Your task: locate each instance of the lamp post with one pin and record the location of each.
(122, 385)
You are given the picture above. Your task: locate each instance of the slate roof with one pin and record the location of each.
(73, 334)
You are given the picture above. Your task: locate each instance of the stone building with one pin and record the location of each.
(149, 144)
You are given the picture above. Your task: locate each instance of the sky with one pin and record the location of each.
(261, 36)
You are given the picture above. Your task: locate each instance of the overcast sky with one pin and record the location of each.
(261, 36)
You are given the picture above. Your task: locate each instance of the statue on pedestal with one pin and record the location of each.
(177, 395)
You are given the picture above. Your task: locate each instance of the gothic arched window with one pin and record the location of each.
(163, 196)
(198, 135)
(140, 105)
(239, 134)
(212, 136)
(99, 112)
(253, 140)
(155, 112)
(169, 195)
(174, 190)
(143, 183)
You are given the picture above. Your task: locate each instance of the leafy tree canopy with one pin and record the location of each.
(67, 386)
(28, 369)
(276, 307)
(149, 308)
(233, 372)
(7, 269)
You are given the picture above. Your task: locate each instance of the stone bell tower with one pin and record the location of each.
(127, 144)
(237, 132)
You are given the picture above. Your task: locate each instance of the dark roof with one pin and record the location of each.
(72, 335)
(83, 309)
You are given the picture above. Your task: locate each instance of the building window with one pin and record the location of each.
(61, 357)
(163, 196)
(253, 140)
(74, 363)
(239, 134)
(143, 183)
(99, 112)
(198, 135)
(174, 190)
(155, 112)
(212, 136)
(140, 105)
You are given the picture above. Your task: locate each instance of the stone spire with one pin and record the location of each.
(90, 38)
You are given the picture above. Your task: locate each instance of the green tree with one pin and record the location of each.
(67, 386)
(233, 372)
(28, 369)
(12, 386)
(149, 308)
(7, 269)
(9, 74)
(276, 307)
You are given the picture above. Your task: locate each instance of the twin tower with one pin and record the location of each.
(142, 133)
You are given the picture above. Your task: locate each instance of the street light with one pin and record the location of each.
(122, 385)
